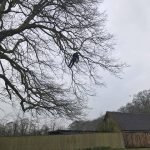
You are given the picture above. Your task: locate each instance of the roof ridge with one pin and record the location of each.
(127, 113)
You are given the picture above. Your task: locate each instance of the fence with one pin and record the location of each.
(62, 142)
(136, 139)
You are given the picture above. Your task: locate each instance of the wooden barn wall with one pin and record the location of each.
(136, 139)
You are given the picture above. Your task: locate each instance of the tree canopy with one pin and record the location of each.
(37, 40)
(140, 103)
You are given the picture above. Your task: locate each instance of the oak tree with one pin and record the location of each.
(37, 40)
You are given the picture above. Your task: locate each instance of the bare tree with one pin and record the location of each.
(44, 130)
(140, 103)
(37, 40)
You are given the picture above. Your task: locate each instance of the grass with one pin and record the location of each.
(108, 148)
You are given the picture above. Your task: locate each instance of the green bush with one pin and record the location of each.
(98, 148)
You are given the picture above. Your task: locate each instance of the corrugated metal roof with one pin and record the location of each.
(131, 122)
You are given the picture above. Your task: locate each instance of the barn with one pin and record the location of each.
(134, 127)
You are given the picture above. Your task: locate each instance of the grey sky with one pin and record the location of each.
(129, 21)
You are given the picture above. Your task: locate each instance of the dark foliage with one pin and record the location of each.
(140, 103)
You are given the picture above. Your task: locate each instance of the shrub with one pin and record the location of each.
(97, 148)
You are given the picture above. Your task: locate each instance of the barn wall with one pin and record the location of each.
(136, 139)
(110, 124)
(62, 142)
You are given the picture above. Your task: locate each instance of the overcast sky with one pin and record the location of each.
(129, 21)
